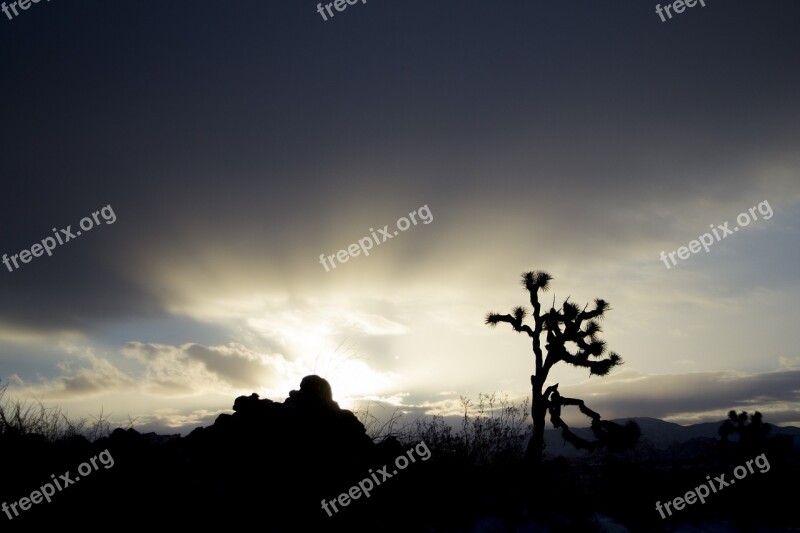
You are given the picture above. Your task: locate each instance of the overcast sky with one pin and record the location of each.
(235, 143)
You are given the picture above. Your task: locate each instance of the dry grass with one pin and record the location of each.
(493, 429)
(19, 417)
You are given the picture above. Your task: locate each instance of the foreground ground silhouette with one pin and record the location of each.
(270, 464)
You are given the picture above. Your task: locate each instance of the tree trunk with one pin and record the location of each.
(538, 411)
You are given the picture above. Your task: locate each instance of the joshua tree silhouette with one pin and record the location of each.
(750, 430)
(569, 324)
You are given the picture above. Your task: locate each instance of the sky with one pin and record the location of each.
(224, 148)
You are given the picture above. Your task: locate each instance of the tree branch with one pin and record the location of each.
(492, 319)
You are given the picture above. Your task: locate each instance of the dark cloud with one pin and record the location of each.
(91, 376)
(562, 108)
(164, 370)
(198, 368)
(233, 367)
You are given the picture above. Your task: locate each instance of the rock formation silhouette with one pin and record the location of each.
(304, 447)
(267, 463)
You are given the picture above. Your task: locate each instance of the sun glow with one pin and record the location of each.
(315, 349)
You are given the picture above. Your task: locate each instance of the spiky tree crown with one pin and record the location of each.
(568, 324)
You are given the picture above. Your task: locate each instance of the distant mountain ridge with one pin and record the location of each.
(659, 433)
